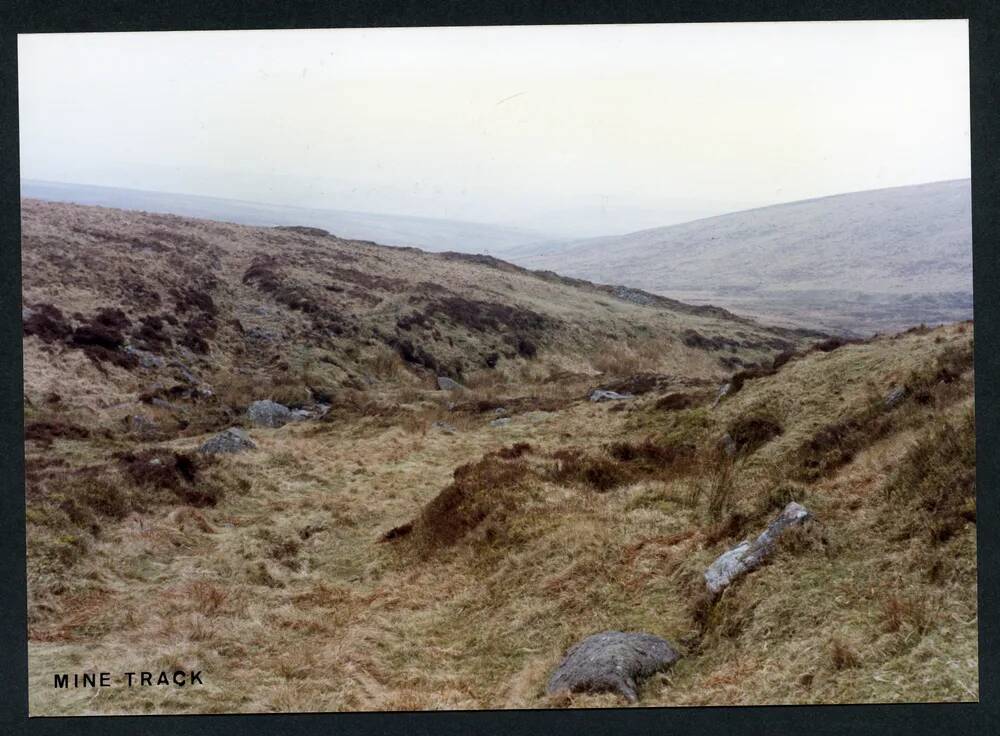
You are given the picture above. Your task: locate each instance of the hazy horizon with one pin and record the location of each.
(571, 131)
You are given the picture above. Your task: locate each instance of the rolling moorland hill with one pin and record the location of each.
(865, 262)
(424, 232)
(396, 545)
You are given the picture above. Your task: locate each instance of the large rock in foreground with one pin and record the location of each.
(612, 661)
(269, 413)
(230, 441)
(748, 555)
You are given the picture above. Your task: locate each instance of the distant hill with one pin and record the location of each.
(862, 262)
(428, 233)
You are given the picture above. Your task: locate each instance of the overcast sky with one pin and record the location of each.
(578, 130)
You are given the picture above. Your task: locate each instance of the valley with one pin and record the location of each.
(446, 502)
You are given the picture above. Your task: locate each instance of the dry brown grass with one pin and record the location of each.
(283, 595)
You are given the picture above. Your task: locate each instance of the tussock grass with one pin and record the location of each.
(513, 543)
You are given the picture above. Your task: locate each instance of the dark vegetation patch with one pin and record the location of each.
(936, 481)
(525, 347)
(837, 443)
(694, 339)
(514, 451)
(133, 290)
(417, 319)
(201, 325)
(621, 463)
(44, 432)
(482, 496)
(174, 471)
(415, 354)
(48, 323)
(482, 260)
(597, 472)
(151, 334)
(100, 338)
(833, 343)
(481, 316)
(315, 232)
(365, 279)
(741, 377)
(266, 275)
(782, 358)
(754, 430)
(638, 384)
(193, 300)
(675, 401)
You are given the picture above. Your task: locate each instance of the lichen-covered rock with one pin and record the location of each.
(612, 661)
(447, 384)
(230, 441)
(601, 395)
(749, 555)
(724, 390)
(268, 413)
(895, 396)
(146, 359)
(142, 426)
(445, 427)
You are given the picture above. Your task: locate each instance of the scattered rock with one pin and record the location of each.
(723, 392)
(258, 334)
(300, 415)
(145, 358)
(232, 440)
(501, 411)
(728, 445)
(267, 413)
(747, 555)
(185, 373)
(501, 422)
(140, 425)
(612, 661)
(445, 427)
(895, 396)
(600, 395)
(446, 384)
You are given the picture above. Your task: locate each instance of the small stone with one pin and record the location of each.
(447, 384)
(232, 440)
(143, 426)
(723, 392)
(601, 395)
(895, 396)
(146, 359)
(501, 422)
(445, 427)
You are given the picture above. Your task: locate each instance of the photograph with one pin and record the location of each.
(500, 367)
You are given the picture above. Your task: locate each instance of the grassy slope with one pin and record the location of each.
(283, 595)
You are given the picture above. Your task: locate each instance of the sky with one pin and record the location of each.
(569, 130)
